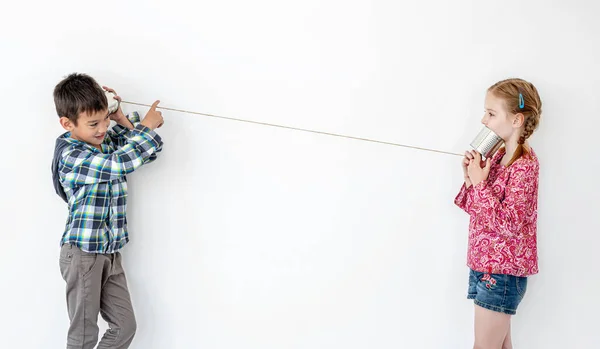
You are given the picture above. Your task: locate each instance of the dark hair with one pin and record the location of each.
(78, 93)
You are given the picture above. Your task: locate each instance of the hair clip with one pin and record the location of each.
(521, 101)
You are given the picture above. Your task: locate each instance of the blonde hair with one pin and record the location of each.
(522, 97)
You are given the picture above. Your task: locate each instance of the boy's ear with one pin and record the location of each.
(66, 123)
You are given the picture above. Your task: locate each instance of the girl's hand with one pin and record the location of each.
(465, 165)
(477, 173)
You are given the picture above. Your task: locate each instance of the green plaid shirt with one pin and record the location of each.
(95, 184)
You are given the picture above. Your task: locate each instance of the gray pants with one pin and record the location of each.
(96, 284)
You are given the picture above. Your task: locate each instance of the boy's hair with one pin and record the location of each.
(78, 93)
(522, 97)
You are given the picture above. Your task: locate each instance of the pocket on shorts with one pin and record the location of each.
(521, 283)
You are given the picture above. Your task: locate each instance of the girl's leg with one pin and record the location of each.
(491, 328)
(507, 340)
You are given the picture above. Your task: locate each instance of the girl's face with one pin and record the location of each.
(498, 119)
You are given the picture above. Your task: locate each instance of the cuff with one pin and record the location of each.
(148, 134)
(134, 118)
(480, 186)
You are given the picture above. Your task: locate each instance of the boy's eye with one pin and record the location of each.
(93, 125)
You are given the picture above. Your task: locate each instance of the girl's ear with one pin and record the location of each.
(518, 120)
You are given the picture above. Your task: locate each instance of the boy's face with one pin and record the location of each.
(90, 128)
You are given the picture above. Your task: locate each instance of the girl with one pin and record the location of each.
(500, 195)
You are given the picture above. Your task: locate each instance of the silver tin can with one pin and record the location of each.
(113, 104)
(487, 143)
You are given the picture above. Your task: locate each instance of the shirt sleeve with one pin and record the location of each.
(80, 166)
(464, 197)
(119, 133)
(509, 214)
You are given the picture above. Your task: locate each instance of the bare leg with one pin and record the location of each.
(491, 328)
(507, 340)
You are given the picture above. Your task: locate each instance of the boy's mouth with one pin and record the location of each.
(101, 136)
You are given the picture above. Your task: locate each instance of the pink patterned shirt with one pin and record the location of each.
(503, 217)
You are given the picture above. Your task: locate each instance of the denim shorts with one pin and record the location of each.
(497, 292)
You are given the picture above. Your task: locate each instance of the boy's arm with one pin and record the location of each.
(83, 166)
(123, 128)
(121, 132)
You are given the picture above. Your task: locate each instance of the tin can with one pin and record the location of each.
(487, 143)
(113, 104)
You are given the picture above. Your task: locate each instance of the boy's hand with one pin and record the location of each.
(153, 118)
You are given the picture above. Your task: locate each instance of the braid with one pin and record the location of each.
(530, 126)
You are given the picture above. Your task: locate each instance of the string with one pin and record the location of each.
(298, 129)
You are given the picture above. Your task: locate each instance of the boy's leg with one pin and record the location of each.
(82, 273)
(116, 308)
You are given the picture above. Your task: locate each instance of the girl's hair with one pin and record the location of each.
(522, 97)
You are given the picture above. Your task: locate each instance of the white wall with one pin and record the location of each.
(248, 236)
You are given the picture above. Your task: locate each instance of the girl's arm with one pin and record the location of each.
(464, 197)
(507, 216)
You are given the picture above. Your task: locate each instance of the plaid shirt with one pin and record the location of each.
(96, 186)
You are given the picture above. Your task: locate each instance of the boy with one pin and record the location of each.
(89, 167)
